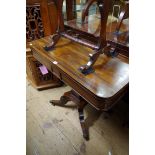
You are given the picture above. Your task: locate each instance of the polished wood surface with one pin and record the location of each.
(110, 76)
(99, 48)
(66, 53)
(102, 88)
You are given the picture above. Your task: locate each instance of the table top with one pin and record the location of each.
(110, 76)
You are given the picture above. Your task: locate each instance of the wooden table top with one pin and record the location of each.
(110, 76)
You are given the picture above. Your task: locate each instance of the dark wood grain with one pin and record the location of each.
(104, 6)
(101, 88)
(109, 80)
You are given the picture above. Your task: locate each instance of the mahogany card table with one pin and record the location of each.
(102, 88)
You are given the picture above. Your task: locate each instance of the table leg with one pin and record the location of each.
(82, 121)
(81, 103)
(63, 99)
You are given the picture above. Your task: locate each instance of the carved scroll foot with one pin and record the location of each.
(51, 45)
(63, 100)
(86, 69)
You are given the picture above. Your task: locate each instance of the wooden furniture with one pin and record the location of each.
(41, 17)
(99, 48)
(65, 52)
(102, 88)
(35, 77)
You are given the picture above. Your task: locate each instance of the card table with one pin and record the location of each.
(102, 88)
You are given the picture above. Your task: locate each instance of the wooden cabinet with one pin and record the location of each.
(41, 21)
